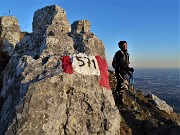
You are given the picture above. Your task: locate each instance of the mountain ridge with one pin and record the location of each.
(55, 81)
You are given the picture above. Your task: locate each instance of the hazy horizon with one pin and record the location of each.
(150, 68)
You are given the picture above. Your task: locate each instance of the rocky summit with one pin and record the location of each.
(144, 114)
(55, 81)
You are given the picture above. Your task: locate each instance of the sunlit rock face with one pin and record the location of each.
(9, 34)
(9, 37)
(56, 81)
(162, 105)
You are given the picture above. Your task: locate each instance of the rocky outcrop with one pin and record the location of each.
(9, 37)
(55, 83)
(162, 105)
(9, 34)
(144, 115)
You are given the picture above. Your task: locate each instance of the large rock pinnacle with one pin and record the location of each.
(56, 81)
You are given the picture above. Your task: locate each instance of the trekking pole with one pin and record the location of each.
(132, 83)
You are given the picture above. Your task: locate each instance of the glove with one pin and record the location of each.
(130, 75)
(131, 69)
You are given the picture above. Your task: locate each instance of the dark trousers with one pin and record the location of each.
(118, 94)
(119, 77)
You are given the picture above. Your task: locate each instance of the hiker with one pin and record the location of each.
(121, 65)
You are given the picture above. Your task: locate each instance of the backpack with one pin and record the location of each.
(115, 58)
(114, 61)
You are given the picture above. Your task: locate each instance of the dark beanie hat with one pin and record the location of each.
(121, 44)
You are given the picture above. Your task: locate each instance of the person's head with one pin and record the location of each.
(123, 45)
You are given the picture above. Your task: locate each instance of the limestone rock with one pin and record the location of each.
(10, 34)
(44, 88)
(162, 105)
(81, 26)
(84, 40)
(9, 37)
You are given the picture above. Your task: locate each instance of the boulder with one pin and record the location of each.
(162, 105)
(57, 81)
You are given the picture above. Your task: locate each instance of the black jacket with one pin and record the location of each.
(122, 62)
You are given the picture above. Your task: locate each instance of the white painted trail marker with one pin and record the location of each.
(86, 65)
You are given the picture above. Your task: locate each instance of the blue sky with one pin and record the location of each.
(151, 27)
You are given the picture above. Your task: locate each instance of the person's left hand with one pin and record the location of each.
(130, 75)
(131, 69)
